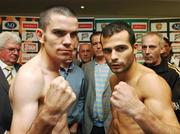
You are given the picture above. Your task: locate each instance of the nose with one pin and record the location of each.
(99, 46)
(16, 51)
(86, 53)
(67, 40)
(147, 50)
(114, 55)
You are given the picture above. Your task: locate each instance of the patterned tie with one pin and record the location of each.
(9, 77)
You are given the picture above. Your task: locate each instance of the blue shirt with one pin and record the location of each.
(101, 75)
(75, 76)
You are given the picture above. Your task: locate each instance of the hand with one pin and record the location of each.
(59, 97)
(125, 99)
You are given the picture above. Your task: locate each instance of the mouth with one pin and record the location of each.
(65, 52)
(148, 57)
(116, 65)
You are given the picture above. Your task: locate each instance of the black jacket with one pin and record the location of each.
(5, 107)
(171, 74)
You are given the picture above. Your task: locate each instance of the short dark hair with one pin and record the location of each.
(94, 34)
(167, 41)
(116, 27)
(46, 13)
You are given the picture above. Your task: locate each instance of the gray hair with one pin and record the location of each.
(6, 37)
(157, 34)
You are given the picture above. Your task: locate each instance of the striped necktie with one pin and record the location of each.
(9, 77)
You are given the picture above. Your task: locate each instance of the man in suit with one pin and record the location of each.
(10, 45)
(97, 114)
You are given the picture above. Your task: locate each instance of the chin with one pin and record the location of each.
(116, 71)
(148, 62)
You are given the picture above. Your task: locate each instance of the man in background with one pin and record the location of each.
(85, 53)
(167, 53)
(10, 45)
(75, 44)
(152, 48)
(97, 113)
(75, 76)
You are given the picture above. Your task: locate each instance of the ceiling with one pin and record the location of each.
(97, 8)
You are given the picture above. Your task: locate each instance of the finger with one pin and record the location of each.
(68, 97)
(113, 101)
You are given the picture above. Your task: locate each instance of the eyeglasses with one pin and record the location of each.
(12, 50)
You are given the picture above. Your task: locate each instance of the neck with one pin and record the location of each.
(65, 65)
(154, 64)
(100, 60)
(49, 62)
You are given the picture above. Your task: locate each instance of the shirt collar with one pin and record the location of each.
(2, 64)
(69, 69)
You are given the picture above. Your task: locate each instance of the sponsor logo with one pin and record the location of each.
(139, 26)
(176, 26)
(85, 26)
(30, 26)
(10, 25)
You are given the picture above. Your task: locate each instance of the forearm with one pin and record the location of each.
(44, 123)
(151, 124)
(61, 126)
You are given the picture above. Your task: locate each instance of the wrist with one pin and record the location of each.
(49, 116)
(138, 109)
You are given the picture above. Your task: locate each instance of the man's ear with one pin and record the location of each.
(162, 50)
(40, 35)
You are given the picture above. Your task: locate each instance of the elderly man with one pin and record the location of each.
(10, 45)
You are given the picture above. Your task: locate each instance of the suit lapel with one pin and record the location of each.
(3, 81)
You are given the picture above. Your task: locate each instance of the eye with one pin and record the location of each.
(59, 33)
(144, 47)
(73, 34)
(152, 47)
(120, 48)
(107, 50)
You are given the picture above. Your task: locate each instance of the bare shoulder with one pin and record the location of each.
(152, 83)
(29, 80)
(156, 95)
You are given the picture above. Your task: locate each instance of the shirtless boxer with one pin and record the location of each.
(141, 100)
(41, 97)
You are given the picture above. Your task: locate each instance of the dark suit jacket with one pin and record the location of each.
(5, 107)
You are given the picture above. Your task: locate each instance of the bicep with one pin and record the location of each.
(159, 102)
(23, 116)
(25, 96)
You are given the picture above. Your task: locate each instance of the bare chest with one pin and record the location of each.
(125, 125)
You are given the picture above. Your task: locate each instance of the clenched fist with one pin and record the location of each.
(60, 96)
(125, 99)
